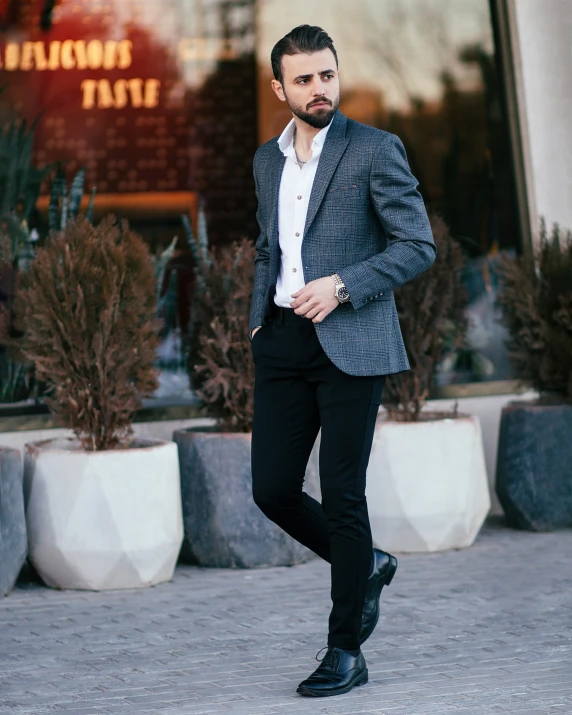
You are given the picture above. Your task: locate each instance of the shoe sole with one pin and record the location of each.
(360, 680)
(385, 581)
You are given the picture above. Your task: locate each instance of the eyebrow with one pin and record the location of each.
(308, 76)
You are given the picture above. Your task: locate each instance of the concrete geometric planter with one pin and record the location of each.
(13, 540)
(101, 520)
(427, 484)
(534, 466)
(223, 526)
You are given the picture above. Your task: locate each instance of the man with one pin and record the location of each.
(341, 225)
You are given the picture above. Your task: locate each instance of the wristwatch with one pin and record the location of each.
(341, 292)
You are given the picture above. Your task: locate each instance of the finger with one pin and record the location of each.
(299, 293)
(322, 313)
(313, 311)
(303, 308)
(302, 298)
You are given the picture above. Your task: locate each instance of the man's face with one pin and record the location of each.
(311, 86)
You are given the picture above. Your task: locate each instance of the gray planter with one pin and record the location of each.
(534, 466)
(223, 526)
(13, 539)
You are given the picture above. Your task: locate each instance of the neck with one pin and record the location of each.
(304, 135)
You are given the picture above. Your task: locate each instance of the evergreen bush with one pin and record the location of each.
(536, 300)
(223, 371)
(87, 309)
(431, 311)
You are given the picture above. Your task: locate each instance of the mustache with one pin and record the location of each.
(320, 100)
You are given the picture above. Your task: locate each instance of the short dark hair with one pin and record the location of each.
(304, 38)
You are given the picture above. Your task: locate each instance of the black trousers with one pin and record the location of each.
(297, 390)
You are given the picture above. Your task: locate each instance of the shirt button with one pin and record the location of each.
(298, 197)
(293, 270)
(297, 234)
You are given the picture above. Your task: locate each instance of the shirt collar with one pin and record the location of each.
(286, 139)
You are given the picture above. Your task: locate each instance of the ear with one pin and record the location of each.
(278, 90)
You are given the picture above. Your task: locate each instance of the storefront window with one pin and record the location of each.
(157, 100)
(425, 70)
(164, 104)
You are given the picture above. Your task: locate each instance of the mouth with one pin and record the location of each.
(320, 105)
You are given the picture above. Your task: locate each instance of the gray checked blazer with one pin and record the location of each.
(367, 222)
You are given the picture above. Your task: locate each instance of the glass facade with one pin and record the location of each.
(164, 104)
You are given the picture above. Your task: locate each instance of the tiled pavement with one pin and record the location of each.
(479, 631)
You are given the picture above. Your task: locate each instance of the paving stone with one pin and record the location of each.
(480, 631)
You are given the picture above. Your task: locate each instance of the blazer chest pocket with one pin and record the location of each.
(344, 192)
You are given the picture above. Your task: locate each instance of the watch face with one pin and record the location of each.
(343, 293)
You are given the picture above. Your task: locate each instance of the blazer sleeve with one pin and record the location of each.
(401, 212)
(261, 265)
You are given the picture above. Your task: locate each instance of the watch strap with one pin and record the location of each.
(339, 284)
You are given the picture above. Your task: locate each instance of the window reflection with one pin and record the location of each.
(157, 100)
(164, 103)
(425, 70)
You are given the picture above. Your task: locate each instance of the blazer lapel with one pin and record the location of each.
(274, 179)
(332, 152)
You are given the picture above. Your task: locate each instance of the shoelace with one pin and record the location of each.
(331, 659)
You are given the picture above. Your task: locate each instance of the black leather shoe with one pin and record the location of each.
(383, 570)
(337, 673)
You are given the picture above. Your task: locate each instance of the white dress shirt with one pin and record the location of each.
(295, 189)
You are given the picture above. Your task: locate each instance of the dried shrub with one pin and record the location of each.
(87, 310)
(223, 366)
(536, 300)
(431, 311)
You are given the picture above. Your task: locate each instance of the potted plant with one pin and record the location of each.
(427, 486)
(223, 526)
(103, 509)
(534, 461)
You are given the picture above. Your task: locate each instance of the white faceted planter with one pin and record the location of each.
(107, 519)
(427, 486)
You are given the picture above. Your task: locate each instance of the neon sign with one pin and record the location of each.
(86, 55)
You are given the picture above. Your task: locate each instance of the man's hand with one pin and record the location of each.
(316, 299)
(254, 331)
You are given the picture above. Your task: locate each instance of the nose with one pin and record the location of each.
(319, 87)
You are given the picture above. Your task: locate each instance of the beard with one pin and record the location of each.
(319, 118)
